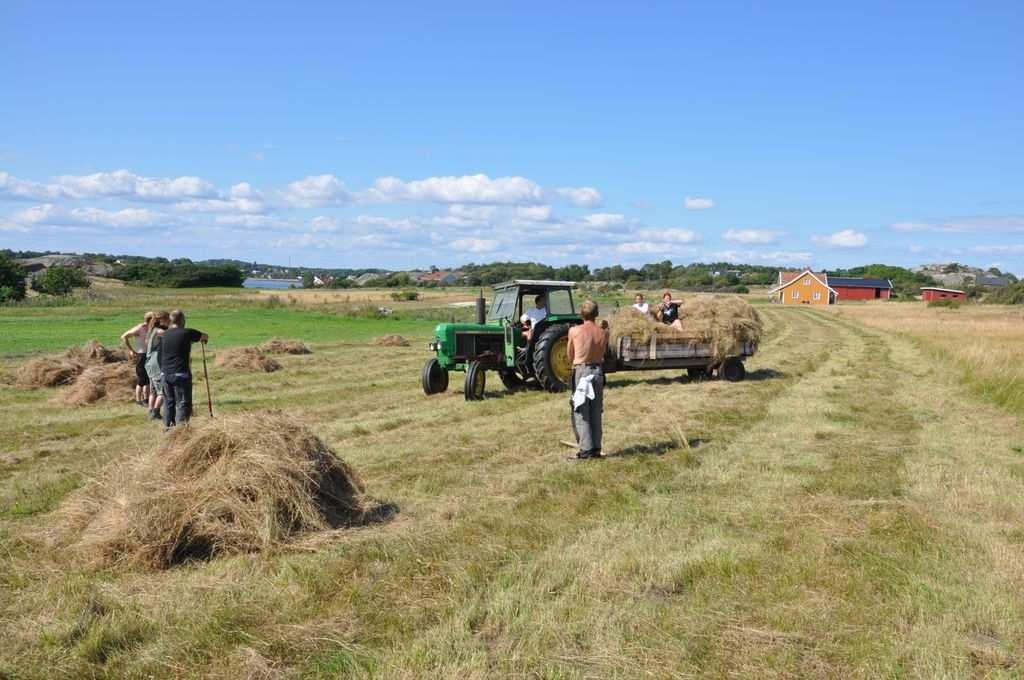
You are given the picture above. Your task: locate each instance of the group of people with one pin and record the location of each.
(667, 312)
(161, 348)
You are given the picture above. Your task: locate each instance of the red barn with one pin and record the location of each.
(860, 289)
(929, 294)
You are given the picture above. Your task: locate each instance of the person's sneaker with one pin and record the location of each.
(596, 453)
(154, 414)
(580, 455)
(142, 403)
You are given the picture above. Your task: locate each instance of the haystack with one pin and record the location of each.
(53, 371)
(115, 382)
(280, 346)
(724, 323)
(391, 341)
(241, 483)
(247, 359)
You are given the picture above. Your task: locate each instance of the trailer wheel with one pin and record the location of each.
(732, 370)
(699, 372)
(510, 379)
(551, 358)
(476, 381)
(434, 378)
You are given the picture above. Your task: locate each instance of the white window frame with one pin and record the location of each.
(817, 295)
(795, 295)
(807, 280)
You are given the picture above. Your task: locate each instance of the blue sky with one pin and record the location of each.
(411, 134)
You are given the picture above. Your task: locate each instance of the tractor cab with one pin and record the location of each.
(534, 352)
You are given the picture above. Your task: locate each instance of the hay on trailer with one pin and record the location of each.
(115, 382)
(391, 341)
(723, 323)
(241, 483)
(280, 346)
(246, 359)
(54, 371)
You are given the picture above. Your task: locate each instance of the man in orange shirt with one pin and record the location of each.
(587, 345)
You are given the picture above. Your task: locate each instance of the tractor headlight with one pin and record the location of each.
(432, 346)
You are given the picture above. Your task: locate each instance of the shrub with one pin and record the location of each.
(12, 280)
(951, 304)
(405, 295)
(59, 280)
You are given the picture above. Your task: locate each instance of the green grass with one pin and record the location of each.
(825, 521)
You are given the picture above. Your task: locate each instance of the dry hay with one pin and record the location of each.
(115, 382)
(53, 371)
(391, 341)
(246, 359)
(724, 323)
(241, 483)
(280, 346)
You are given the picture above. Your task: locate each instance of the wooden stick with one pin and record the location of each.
(206, 379)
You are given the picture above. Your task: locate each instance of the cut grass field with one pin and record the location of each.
(853, 509)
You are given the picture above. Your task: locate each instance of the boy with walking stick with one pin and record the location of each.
(175, 364)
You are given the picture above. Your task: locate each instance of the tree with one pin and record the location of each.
(307, 279)
(12, 280)
(59, 280)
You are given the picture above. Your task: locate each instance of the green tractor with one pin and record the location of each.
(522, 354)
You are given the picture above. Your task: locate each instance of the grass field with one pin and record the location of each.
(853, 509)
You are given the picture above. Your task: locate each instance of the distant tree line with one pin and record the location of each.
(181, 273)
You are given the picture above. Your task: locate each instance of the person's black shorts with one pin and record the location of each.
(142, 378)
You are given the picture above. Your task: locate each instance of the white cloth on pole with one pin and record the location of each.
(584, 390)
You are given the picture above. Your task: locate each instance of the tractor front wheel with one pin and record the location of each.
(551, 358)
(434, 378)
(476, 381)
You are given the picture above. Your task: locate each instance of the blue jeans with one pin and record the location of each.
(177, 398)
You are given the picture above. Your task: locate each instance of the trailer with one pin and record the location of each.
(667, 353)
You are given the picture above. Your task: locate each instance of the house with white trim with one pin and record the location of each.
(803, 288)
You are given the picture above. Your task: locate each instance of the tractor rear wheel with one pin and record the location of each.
(476, 381)
(510, 379)
(434, 378)
(551, 358)
(732, 370)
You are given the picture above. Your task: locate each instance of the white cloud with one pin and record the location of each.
(668, 235)
(750, 235)
(698, 203)
(16, 189)
(776, 257)
(581, 197)
(474, 245)
(604, 220)
(847, 238)
(1013, 249)
(53, 215)
(464, 189)
(249, 221)
(472, 213)
(966, 225)
(128, 185)
(316, 190)
(534, 213)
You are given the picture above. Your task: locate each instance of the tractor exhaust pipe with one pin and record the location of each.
(481, 309)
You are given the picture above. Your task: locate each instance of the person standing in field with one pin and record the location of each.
(587, 345)
(157, 325)
(175, 365)
(140, 333)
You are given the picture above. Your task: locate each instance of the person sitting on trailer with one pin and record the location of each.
(640, 305)
(531, 317)
(668, 311)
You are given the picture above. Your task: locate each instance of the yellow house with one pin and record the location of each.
(803, 288)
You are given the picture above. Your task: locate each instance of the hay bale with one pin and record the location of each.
(54, 371)
(47, 372)
(391, 341)
(93, 353)
(241, 483)
(280, 346)
(724, 323)
(114, 382)
(246, 359)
